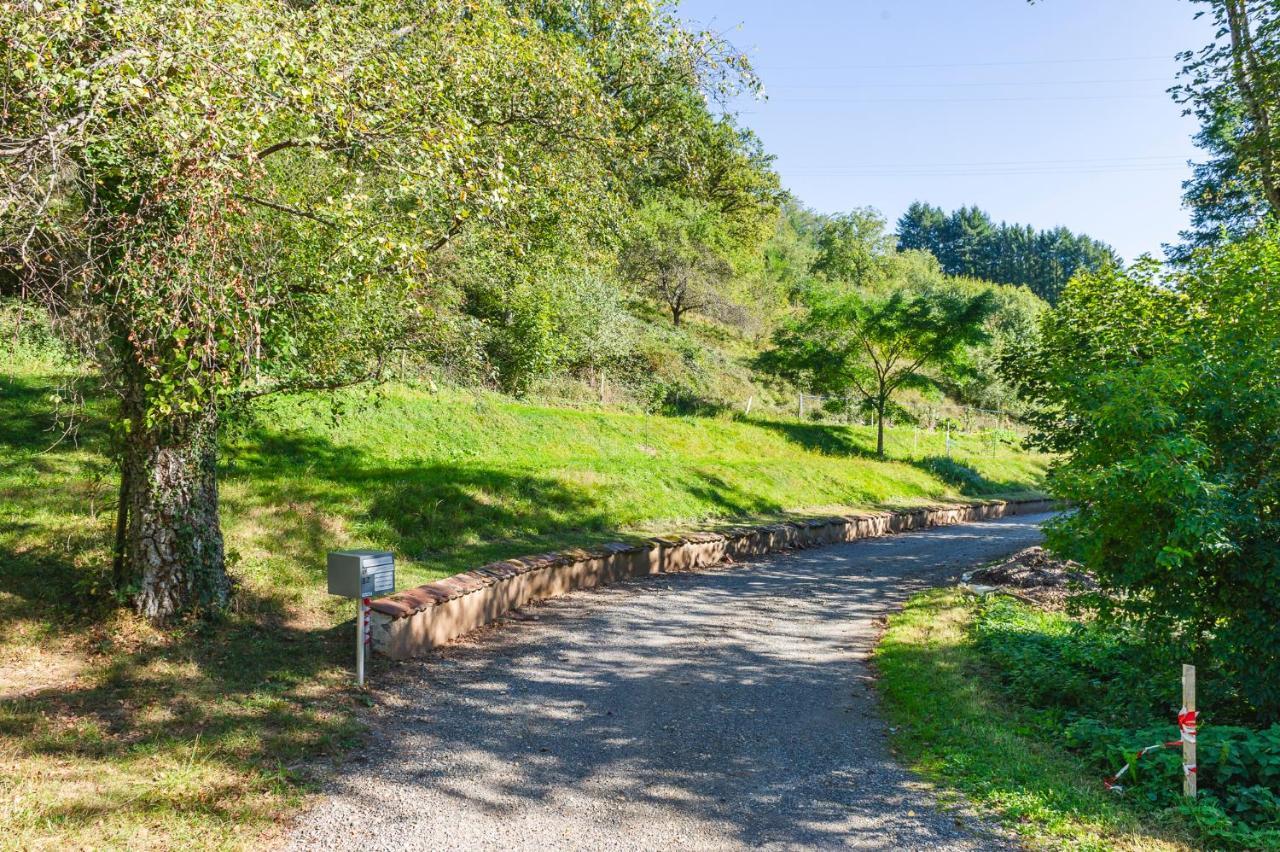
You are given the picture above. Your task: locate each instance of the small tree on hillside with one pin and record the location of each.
(677, 255)
(876, 342)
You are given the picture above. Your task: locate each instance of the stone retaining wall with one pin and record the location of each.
(410, 623)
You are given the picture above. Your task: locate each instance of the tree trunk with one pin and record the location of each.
(676, 313)
(880, 428)
(119, 574)
(174, 541)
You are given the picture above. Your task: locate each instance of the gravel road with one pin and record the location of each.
(719, 710)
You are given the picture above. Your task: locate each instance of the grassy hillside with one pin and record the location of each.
(113, 734)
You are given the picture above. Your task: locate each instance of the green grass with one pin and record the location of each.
(202, 737)
(452, 480)
(953, 727)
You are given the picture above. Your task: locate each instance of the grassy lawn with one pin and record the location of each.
(955, 729)
(113, 735)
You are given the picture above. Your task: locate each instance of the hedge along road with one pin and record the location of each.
(717, 710)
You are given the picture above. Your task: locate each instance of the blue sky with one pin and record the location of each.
(1051, 114)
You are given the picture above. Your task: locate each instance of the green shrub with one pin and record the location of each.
(1069, 668)
(1237, 769)
(1160, 391)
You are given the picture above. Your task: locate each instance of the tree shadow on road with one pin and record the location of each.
(760, 725)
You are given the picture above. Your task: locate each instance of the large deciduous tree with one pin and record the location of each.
(222, 199)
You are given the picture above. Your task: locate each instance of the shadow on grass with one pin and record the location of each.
(238, 699)
(965, 478)
(55, 498)
(730, 501)
(27, 414)
(820, 438)
(201, 731)
(842, 441)
(424, 511)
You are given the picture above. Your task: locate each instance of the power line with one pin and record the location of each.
(1087, 60)
(984, 173)
(1016, 98)
(972, 163)
(878, 85)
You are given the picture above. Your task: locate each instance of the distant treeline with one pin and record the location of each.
(968, 242)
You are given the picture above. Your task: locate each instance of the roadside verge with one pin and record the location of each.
(949, 725)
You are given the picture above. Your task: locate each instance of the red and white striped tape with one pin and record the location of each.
(1111, 784)
(1186, 729)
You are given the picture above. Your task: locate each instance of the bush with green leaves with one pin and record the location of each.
(1160, 390)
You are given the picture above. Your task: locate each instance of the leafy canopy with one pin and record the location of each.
(1232, 87)
(224, 199)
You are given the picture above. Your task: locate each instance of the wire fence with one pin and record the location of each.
(933, 417)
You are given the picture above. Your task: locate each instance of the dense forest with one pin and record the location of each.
(969, 242)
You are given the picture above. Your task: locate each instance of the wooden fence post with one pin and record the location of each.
(1189, 743)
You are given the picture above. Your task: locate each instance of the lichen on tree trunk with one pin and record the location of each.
(174, 546)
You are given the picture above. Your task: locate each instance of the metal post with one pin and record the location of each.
(360, 628)
(1187, 725)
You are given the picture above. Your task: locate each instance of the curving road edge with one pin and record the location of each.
(726, 709)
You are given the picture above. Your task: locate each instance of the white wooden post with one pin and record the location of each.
(360, 630)
(1189, 742)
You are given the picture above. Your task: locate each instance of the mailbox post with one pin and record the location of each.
(361, 574)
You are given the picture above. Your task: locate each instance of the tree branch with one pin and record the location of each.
(284, 208)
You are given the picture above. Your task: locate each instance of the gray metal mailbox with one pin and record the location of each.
(361, 573)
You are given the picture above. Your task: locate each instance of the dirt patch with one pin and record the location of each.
(37, 670)
(1034, 575)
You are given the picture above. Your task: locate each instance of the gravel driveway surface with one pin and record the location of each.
(718, 710)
